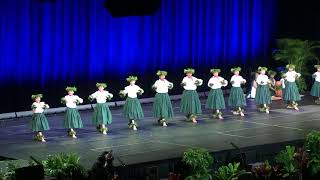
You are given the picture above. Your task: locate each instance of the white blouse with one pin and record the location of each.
(283, 83)
(190, 83)
(39, 107)
(237, 80)
(132, 91)
(291, 76)
(101, 96)
(71, 101)
(162, 86)
(217, 82)
(262, 79)
(317, 76)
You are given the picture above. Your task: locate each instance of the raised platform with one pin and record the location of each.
(154, 143)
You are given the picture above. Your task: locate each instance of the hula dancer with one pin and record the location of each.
(132, 107)
(162, 107)
(263, 96)
(215, 99)
(102, 114)
(39, 121)
(237, 98)
(315, 90)
(190, 102)
(291, 92)
(272, 82)
(72, 117)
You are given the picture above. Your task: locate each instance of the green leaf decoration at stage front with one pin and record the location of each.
(64, 166)
(229, 172)
(200, 162)
(312, 144)
(299, 53)
(286, 158)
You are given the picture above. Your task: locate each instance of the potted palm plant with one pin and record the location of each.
(297, 52)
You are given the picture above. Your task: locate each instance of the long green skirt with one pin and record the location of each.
(272, 92)
(39, 122)
(215, 99)
(190, 102)
(132, 109)
(72, 119)
(236, 97)
(291, 92)
(263, 95)
(162, 107)
(101, 114)
(315, 90)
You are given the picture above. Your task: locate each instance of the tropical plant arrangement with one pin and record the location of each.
(297, 52)
(312, 144)
(230, 172)
(65, 167)
(200, 162)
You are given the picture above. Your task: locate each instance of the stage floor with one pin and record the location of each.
(153, 142)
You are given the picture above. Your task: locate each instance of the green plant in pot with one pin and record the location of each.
(230, 172)
(200, 161)
(297, 52)
(312, 144)
(64, 167)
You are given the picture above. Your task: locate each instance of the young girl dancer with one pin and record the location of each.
(237, 98)
(190, 102)
(162, 107)
(253, 87)
(39, 121)
(102, 114)
(215, 99)
(263, 97)
(132, 107)
(72, 117)
(315, 90)
(291, 92)
(272, 84)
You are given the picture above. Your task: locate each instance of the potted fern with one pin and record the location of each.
(297, 52)
(200, 161)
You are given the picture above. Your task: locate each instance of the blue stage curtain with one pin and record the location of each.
(66, 39)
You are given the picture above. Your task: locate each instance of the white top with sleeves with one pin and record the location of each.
(317, 76)
(283, 83)
(190, 83)
(262, 79)
(237, 80)
(132, 90)
(39, 107)
(217, 82)
(71, 101)
(162, 86)
(101, 96)
(291, 76)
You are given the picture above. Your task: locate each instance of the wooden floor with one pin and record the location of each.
(152, 142)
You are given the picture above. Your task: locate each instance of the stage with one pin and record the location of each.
(153, 142)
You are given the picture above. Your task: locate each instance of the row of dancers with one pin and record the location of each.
(162, 107)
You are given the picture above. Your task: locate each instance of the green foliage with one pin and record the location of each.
(229, 172)
(312, 143)
(287, 159)
(200, 161)
(8, 173)
(64, 167)
(297, 52)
